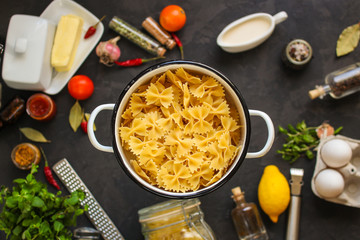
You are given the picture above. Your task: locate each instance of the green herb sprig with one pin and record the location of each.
(31, 212)
(300, 141)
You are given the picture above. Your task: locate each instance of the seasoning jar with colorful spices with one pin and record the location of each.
(297, 54)
(340, 83)
(175, 219)
(25, 155)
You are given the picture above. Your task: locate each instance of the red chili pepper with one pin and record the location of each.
(48, 173)
(135, 62)
(179, 44)
(92, 29)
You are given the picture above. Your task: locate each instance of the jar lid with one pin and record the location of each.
(26, 63)
(167, 208)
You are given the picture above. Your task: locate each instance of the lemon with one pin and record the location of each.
(273, 192)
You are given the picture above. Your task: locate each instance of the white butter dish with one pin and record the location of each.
(26, 63)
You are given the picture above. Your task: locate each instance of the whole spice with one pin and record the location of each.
(108, 51)
(301, 140)
(179, 44)
(92, 29)
(33, 135)
(135, 61)
(48, 173)
(136, 36)
(24, 155)
(30, 211)
(348, 40)
(76, 116)
(158, 32)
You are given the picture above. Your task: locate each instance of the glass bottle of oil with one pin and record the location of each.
(246, 218)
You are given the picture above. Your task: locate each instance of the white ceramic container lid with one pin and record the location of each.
(26, 64)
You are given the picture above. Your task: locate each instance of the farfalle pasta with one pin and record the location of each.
(181, 130)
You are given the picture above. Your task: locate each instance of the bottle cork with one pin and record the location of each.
(317, 92)
(237, 193)
(158, 32)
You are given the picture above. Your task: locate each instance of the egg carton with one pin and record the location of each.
(336, 177)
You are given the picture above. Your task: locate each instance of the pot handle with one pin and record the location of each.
(90, 127)
(271, 134)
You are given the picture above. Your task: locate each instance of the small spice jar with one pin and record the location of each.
(297, 54)
(25, 155)
(41, 107)
(175, 219)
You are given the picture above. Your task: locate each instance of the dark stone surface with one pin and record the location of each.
(264, 82)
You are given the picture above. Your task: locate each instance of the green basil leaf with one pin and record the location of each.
(338, 130)
(309, 154)
(282, 130)
(58, 226)
(11, 202)
(291, 128)
(17, 230)
(76, 116)
(44, 227)
(308, 138)
(34, 135)
(37, 202)
(26, 222)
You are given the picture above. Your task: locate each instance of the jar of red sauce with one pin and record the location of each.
(41, 107)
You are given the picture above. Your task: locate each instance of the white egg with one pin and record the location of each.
(336, 153)
(329, 183)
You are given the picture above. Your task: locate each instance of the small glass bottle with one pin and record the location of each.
(136, 36)
(246, 218)
(175, 219)
(340, 83)
(158, 32)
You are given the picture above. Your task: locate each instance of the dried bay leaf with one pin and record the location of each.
(75, 116)
(33, 135)
(348, 40)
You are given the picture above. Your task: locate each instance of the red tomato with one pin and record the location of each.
(80, 87)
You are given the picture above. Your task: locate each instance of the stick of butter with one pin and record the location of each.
(66, 42)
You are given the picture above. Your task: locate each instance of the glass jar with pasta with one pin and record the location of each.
(175, 219)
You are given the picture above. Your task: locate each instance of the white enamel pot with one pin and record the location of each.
(232, 94)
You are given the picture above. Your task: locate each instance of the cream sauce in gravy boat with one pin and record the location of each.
(249, 32)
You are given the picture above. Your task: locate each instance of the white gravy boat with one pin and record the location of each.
(249, 31)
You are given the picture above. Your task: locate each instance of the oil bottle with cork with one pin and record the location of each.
(246, 218)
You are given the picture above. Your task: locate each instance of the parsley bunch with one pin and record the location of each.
(31, 212)
(300, 141)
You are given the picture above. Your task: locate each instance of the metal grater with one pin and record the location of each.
(95, 213)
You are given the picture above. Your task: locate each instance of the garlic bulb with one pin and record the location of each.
(108, 51)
